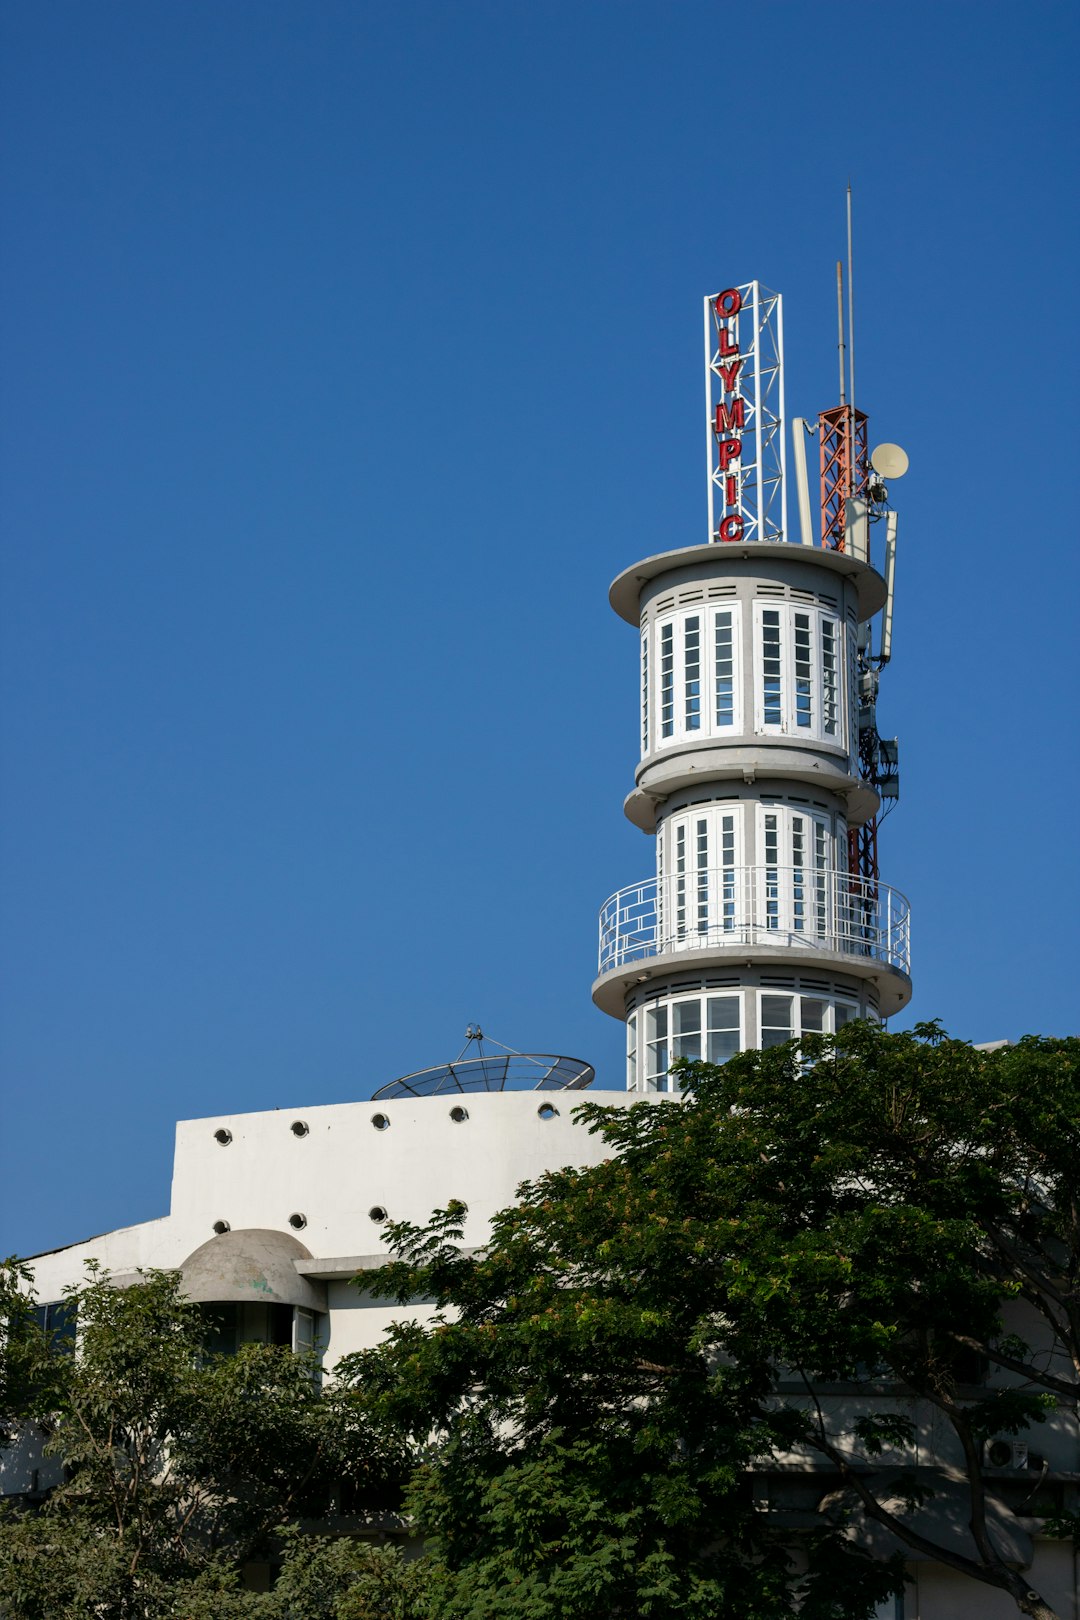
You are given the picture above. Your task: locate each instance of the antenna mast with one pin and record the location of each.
(850, 308)
(840, 324)
(845, 472)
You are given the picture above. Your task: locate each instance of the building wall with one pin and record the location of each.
(334, 1176)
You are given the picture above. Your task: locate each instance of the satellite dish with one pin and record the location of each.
(889, 460)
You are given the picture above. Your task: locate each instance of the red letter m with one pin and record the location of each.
(730, 417)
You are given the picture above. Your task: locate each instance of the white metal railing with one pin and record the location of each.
(708, 908)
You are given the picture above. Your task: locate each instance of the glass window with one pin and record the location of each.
(667, 680)
(303, 1330)
(771, 687)
(798, 873)
(829, 687)
(812, 1015)
(701, 863)
(680, 881)
(728, 879)
(57, 1321)
(644, 692)
(821, 881)
(843, 1014)
(724, 666)
(692, 1026)
(804, 707)
(792, 877)
(686, 1029)
(696, 659)
(723, 1034)
(772, 871)
(776, 1026)
(800, 689)
(692, 671)
(657, 1062)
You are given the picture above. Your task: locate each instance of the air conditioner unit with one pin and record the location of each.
(1006, 1454)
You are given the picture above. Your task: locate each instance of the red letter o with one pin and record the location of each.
(729, 302)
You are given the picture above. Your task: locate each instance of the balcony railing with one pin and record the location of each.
(732, 907)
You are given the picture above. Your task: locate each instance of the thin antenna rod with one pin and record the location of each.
(850, 303)
(840, 324)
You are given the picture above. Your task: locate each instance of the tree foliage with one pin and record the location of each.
(178, 1466)
(685, 1382)
(665, 1370)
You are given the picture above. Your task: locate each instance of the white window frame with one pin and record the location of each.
(681, 693)
(701, 874)
(640, 1079)
(731, 727)
(646, 1079)
(795, 998)
(800, 907)
(646, 718)
(801, 694)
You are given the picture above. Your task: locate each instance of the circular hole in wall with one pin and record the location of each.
(297, 1221)
(378, 1214)
(223, 1136)
(459, 1114)
(380, 1121)
(220, 1227)
(299, 1127)
(548, 1111)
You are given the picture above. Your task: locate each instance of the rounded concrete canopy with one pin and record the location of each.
(253, 1265)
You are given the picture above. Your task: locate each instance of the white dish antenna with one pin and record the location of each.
(889, 460)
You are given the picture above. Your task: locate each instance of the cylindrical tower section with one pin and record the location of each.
(751, 929)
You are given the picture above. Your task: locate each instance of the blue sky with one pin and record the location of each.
(348, 352)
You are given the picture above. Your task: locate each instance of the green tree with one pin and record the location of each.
(178, 1466)
(687, 1381)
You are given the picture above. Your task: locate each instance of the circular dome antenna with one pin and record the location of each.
(889, 460)
(506, 1071)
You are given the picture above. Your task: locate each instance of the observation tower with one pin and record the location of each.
(762, 774)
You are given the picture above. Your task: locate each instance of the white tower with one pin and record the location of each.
(761, 770)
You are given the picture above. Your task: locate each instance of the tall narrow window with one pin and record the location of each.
(723, 1033)
(701, 859)
(853, 695)
(772, 872)
(656, 1044)
(680, 881)
(667, 680)
(303, 1331)
(631, 1052)
(724, 666)
(821, 880)
(798, 873)
(804, 702)
(692, 671)
(728, 875)
(644, 692)
(771, 689)
(829, 690)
